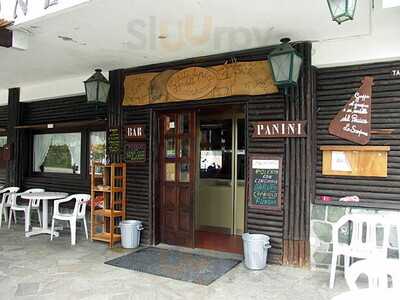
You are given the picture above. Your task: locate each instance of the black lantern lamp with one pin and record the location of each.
(285, 64)
(342, 10)
(97, 88)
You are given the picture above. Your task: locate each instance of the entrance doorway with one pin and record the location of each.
(177, 176)
(220, 181)
(202, 178)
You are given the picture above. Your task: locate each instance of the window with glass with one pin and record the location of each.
(97, 148)
(3, 140)
(57, 153)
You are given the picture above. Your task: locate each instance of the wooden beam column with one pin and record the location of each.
(300, 162)
(14, 138)
(114, 112)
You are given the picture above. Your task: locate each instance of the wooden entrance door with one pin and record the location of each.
(177, 169)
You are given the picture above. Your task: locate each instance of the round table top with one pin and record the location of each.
(370, 294)
(43, 195)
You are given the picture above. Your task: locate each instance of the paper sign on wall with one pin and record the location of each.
(340, 162)
(265, 164)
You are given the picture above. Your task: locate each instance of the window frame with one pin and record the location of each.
(85, 152)
(89, 132)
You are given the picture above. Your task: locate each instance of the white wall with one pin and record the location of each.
(3, 97)
(71, 86)
(381, 44)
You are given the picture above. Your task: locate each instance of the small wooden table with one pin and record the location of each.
(370, 294)
(44, 197)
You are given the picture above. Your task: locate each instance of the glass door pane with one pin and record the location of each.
(170, 124)
(184, 173)
(184, 148)
(170, 171)
(170, 149)
(184, 124)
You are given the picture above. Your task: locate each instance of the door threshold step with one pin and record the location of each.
(200, 251)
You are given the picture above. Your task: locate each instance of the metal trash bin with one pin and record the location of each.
(255, 250)
(130, 233)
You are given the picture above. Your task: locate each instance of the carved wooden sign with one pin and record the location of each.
(353, 122)
(192, 83)
(135, 132)
(278, 129)
(195, 83)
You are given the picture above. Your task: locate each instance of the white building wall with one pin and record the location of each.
(382, 43)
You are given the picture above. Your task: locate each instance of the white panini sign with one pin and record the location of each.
(22, 11)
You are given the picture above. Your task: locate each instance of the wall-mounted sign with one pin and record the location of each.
(396, 73)
(135, 132)
(366, 161)
(114, 141)
(135, 152)
(192, 83)
(353, 122)
(276, 129)
(265, 181)
(196, 83)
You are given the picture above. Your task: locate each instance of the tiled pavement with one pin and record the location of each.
(36, 268)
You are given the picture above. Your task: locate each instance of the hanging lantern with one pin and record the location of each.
(97, 88)
(285, 64)
(342, 10)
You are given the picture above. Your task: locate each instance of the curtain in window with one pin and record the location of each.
(97, 137)
(42, 145)
(73, 141)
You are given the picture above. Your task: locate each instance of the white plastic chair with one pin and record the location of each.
(79, 213)
(6, 202)
(378, 272)
(25, 208)
(363, 242)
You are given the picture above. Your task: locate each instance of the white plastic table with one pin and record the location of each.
(370, 294)
(44, 197)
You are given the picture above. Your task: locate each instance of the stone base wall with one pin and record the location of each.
(322, 219)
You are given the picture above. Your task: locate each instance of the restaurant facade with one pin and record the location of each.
(215, 149)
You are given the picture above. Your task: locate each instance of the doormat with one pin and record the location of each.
(177, 265)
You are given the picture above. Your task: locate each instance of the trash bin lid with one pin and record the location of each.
(130, 223)
(255, 237)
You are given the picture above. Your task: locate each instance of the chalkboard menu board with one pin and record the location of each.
(114, 141)
(135, 152)
(265, 179)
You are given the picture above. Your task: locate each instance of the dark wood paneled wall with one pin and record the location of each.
(289, 228)
(67, 109)
(139, 178)
(4, 116)
(335, 86)
(270, 107)
(61, 110)
(3, 124)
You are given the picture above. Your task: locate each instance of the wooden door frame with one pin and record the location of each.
(159, 171)
(155, 141)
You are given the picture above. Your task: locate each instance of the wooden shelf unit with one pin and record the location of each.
(108, 182)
